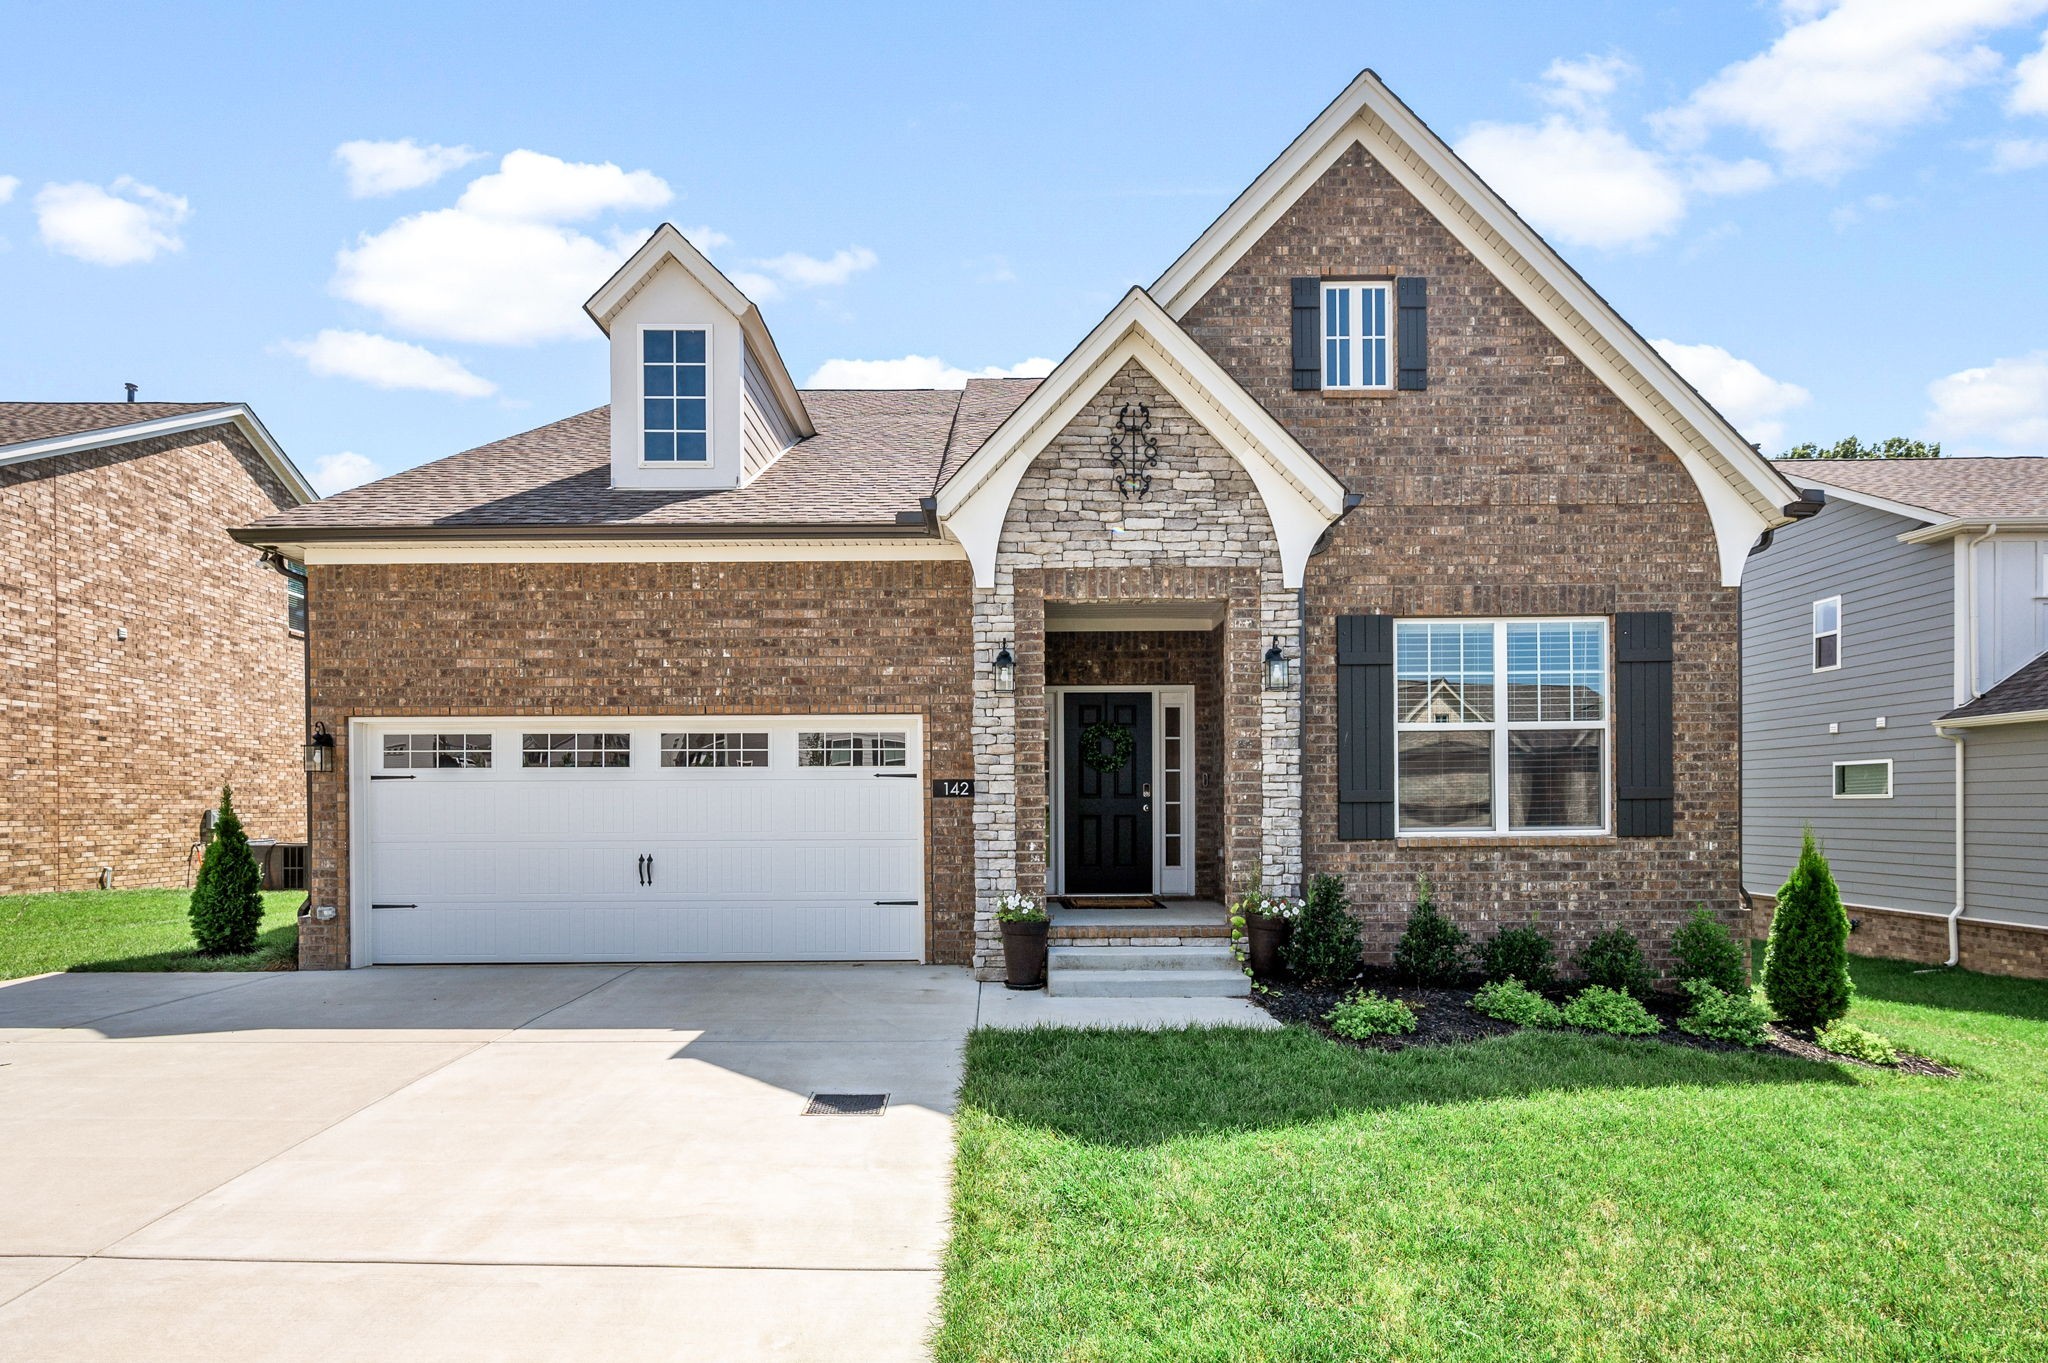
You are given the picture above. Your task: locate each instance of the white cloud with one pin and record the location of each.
(384, 363)
(2019, 153)
(1582, 86)
(2030, 83)
(1751, 399)
(1838, 82)
(8, 184)
(1582, 182)
(2004, 402)
(916, 371)
(795, 270)
(706, 239)
(531, 186)
(334, 473)
(1705, 175)
(378, 168)
(126, 223)
(499, 267)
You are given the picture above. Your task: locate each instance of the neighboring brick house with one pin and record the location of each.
(148, 657)
(1368, 540)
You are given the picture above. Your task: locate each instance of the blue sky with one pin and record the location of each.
(376, 224)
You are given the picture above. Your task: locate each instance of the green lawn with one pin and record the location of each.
(129, 930)
(1231, 1195)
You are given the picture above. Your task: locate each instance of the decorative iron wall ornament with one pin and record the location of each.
(1133, 450)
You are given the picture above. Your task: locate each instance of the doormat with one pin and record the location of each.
(1128, 901)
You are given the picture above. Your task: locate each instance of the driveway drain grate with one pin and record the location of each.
(847, 1105)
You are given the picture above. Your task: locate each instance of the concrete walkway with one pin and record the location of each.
(507, 1163)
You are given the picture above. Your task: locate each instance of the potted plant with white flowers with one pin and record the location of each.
(1268, 919)
(1024, 924)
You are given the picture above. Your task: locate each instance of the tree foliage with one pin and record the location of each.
(1806, 965)
(227, 896)
(1891, 447)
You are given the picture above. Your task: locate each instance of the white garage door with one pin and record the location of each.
(642, 840)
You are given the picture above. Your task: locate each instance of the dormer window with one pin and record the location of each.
(675, 421)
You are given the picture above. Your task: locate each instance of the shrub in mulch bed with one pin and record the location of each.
(1444, 1017)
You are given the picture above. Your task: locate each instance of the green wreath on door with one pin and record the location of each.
(1121, 746)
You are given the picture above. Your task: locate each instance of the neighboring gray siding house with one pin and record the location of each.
(1895, 658)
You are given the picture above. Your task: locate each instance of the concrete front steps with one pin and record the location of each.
(1178, 950)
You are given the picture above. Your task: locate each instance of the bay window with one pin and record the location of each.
(1501, 726)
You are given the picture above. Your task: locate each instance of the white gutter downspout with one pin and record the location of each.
(1955, 941)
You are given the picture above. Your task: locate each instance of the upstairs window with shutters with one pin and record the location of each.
(1358, 334)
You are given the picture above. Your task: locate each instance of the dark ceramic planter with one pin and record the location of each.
(1265, 937)
(1024, 955)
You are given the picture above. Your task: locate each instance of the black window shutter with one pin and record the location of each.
(1642, 723)
(1411, 296)
(1308, 323)
(1365, 726)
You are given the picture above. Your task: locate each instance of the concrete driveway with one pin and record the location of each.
(504, 1163)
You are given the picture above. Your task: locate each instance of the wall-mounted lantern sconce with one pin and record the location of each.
(1278, 674)
(1005, 669)
(320, 750)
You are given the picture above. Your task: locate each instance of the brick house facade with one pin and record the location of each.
(148, 657)
(1190, 506)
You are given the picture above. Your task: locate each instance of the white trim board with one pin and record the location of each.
(236, 414)
(849, 550)
(1745, 495)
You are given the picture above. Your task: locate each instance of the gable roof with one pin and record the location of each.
(1935, 490)
(1302, 498)
(867, 471)
(667, 245)
(2020, 698)
(1744, 494)
(40, 430)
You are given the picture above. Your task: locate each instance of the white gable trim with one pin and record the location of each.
(237, 415)
(1744, 495)
(667, 244)
(851, 549)
(1301, 497)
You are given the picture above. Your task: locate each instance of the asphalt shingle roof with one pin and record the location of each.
(2024, 690)
(877, 453)
(1959, 489)
(21, 422)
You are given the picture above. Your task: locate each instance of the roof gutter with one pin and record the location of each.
(1812, 501)
(1947, 530)
(916, 526)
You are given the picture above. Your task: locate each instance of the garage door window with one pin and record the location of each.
(714, 750)
(851, 750)
(576, 750)
(436, 750)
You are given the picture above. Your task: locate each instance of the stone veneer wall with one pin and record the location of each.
(111, 748)
(1517, 483)
(647, 639)
(1163, 658)
(1202, 533)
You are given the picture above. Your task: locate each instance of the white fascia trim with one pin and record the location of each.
(850, 550)
(1744, 495)
(1977, 526)
(668, 244)
(1905, 510)
(1301, 497)
(1987, 721)
(237, 415)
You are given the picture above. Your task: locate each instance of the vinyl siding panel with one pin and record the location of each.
(1897, 661)
(2007, 805)
(767, 431)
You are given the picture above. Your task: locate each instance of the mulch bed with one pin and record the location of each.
(1444, 1017)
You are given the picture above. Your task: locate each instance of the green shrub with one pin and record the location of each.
(1706, 950)
(1512, 1001)
(1846, 1038)
(1368, 1014)
(1519, 954)
(227, 895)
(1324, 946)
(1724, 1016)
(1433, 949)
(1613, 960)
(1600, 1009)
(1806, 965)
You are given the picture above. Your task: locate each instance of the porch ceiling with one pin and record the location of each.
(1097, 617)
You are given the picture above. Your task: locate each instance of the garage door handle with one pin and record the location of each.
(394, 906)
(907, 903)
(650, 868)
(391, 778)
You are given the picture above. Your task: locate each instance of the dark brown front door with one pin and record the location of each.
(1108, 823)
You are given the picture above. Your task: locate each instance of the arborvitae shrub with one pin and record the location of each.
(1806, 966)
(1613, 960)
(1706, 950)
(1433, 949)
(227, 896)
(1519, 954)
(1324, 946)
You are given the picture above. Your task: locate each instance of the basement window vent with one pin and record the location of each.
(847, 1105)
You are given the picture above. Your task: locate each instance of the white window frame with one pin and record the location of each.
(1813, 644)
(1501, 728)
(1835, 777)
(1353, 341)
(640, 409)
